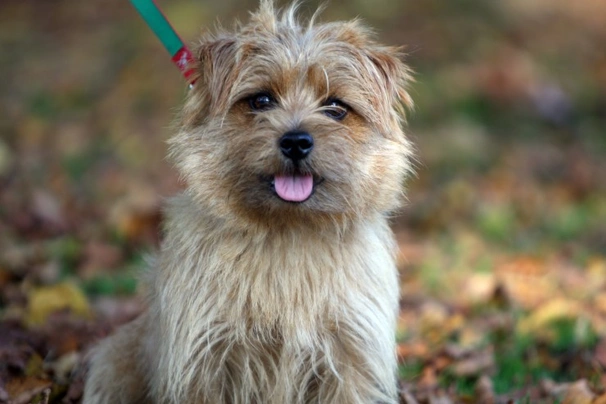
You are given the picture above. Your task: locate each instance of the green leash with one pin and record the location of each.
(179, 53)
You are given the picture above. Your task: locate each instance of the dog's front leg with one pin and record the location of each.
(116, 374)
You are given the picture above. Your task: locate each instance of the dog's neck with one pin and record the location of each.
(302, 270)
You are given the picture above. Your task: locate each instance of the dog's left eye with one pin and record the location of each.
(335, 109)
(261, 102)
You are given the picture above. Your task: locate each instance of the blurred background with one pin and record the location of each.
(503, 238)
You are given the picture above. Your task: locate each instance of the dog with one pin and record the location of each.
(276, 279)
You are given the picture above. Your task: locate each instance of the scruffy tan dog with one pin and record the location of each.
(276, 280)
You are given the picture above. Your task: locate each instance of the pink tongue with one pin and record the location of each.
(295, 188)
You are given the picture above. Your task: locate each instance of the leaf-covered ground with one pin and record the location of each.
(503, 241)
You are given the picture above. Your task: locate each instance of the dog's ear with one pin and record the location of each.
(386, 68)
(215, 71)
(393, 73)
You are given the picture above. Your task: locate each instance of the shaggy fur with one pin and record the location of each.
(254, 299)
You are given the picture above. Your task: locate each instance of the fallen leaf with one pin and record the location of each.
(578, 393)
(476, 364)
(412, 350)
(46, 300)
(429, 378)
(24, 389)
(549, 312)
(526, 281)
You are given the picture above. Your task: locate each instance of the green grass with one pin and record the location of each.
(521, 360)
(497, 222)
(410, 370)
(121, 283)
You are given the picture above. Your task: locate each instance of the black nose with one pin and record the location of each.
(296, 145)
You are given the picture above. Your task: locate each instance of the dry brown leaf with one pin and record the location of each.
(526, 281)
(478, 363)
(412, 350)
(24, 389)
(429, 378)
(440, 362)
(578, 393)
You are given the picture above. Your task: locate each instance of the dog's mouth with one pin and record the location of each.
(296, 188)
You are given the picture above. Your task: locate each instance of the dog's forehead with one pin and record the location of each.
(289, 58)
(297, 46)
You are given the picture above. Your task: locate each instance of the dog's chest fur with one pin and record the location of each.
(276, 307)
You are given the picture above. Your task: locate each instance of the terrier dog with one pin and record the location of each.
(276, 281)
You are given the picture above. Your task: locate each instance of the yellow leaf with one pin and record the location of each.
(547, 313)
(46, 300)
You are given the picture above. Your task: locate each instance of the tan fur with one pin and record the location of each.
(257, 300)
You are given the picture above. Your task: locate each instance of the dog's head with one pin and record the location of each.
(290, 121)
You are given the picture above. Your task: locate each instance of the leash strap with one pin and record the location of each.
(180, 54)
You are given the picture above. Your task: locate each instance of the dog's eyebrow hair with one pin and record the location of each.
(327, 83)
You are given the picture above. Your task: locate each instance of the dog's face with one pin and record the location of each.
(289, 122)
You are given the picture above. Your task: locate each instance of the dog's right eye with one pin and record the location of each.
(261, 102)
